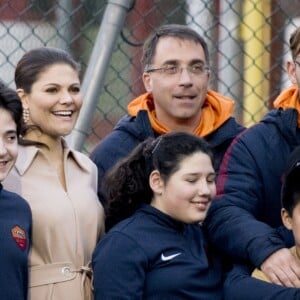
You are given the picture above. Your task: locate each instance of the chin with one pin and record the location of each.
(66, 131)
(198, 220)
(3, 175)
(201, 218)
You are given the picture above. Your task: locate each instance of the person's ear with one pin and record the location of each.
(156, 182)
(147, 80)
(23, 97)
(291, 71)
(286, 219)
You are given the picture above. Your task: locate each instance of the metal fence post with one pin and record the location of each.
(230, 54)
(112, 22)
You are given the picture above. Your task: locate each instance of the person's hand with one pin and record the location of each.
(282, 268)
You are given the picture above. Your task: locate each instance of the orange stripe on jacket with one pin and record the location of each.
(216, 110)
(289, 98)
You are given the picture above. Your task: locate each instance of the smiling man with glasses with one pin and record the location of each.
(176, 75)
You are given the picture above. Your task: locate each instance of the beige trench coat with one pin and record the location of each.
(66, 225)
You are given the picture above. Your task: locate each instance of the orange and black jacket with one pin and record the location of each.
(219, 129)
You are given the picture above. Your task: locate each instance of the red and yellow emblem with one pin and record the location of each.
(20, 236)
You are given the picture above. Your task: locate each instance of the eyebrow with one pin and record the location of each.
(176, 62)
(11, 131)
(212, 174)
(196, 174)
(51, 84)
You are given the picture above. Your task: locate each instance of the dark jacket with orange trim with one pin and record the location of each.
(244, 220)
(131, 130)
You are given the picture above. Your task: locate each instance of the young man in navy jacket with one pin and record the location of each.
(244, 221)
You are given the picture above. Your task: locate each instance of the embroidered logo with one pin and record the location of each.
(20, 236)
(169, 257)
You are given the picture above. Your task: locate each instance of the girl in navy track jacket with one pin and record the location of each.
(155, 247)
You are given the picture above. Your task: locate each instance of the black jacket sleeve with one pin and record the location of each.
(241, 218)
(240, 285)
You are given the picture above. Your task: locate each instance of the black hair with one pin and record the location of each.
(36, 61)
(126, 185)
(178, 31)
(295, 43)
(10, 101)
(290, 191)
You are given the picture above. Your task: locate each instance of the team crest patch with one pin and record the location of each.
(20, 236)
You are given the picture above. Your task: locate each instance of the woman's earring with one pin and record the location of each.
(26, 115)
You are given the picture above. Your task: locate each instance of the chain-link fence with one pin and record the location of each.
(248, 42)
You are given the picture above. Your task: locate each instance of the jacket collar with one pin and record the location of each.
(289, 98)
(216, 110)
(163, 218)
(27, 155)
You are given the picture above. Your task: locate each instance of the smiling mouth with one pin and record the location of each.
(3, 163)
(187, 97)
(201, 205)
(63, 113)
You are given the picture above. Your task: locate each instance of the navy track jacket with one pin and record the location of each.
(244, 220)
(15, 236)
(152, 256)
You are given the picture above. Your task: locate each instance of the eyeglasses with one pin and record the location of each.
(195, 69)
(297, 63)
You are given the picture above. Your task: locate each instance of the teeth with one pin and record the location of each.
(63, 113)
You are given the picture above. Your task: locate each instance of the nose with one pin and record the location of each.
(3, 149)
(204, 189)
(66, 97)
(185, 77)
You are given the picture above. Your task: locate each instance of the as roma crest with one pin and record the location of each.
(20, 236)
